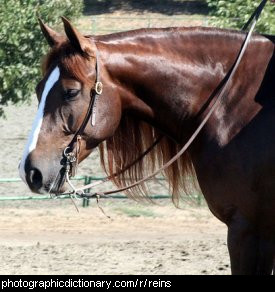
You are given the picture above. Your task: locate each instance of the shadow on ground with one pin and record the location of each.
(167, 7)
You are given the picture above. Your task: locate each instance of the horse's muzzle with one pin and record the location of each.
(42, 179)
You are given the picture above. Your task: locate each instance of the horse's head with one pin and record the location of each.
(64, 95)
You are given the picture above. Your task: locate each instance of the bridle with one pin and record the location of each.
(72, 151)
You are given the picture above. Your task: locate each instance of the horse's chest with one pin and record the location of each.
(239, 176)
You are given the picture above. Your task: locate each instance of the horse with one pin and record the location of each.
(162, 82)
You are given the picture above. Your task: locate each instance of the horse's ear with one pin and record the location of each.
(81, 43)
(52, 37)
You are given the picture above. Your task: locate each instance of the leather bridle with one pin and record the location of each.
(71, 152)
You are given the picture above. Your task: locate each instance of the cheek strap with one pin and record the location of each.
(72, 151)
(98, 90)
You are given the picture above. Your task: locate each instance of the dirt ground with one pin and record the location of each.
(50, 237)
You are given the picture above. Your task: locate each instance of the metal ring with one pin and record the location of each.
(98, 87)
(65, 151)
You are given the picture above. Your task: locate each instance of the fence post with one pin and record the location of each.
(85, 201)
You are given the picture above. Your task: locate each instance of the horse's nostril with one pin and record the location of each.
(35, 178)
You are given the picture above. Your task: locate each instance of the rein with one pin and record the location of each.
(71, 154)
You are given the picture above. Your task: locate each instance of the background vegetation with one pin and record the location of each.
(235, 13)
(22, 44)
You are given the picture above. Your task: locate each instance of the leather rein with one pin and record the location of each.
(72, 151)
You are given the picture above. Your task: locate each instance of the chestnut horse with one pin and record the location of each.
(162, 82)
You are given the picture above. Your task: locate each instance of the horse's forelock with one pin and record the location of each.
(71, 62)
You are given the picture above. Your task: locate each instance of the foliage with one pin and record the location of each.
(22, 44)
(235, 13)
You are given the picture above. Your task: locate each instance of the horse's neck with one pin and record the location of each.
(166, 77)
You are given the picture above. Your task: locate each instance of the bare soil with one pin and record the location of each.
(52, 238)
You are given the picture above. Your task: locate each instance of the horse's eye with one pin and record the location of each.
(71, 93)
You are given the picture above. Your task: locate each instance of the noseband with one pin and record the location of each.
(71, 152)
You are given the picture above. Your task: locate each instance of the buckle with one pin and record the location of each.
(98, 87)
(70, 156)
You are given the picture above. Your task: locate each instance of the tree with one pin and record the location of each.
(22, 44)
(235, 13)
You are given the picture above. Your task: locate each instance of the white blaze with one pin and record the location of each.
(36, 126)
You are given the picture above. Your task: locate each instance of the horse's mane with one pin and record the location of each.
(131, 139)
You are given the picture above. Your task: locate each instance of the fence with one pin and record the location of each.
(195, 197)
